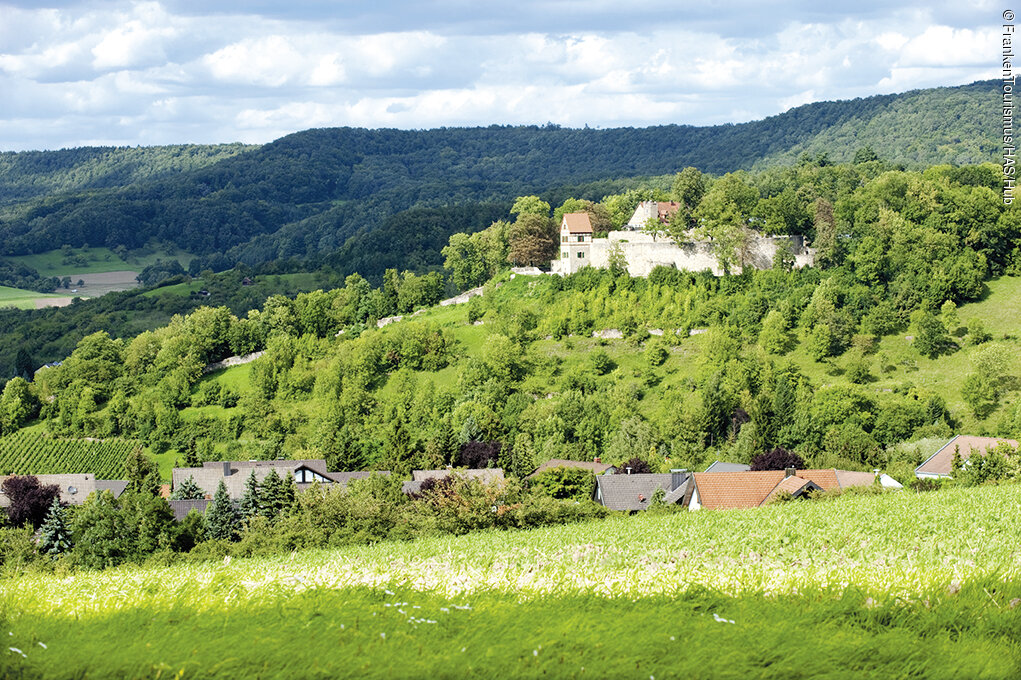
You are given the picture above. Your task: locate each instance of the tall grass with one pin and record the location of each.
(890, 586)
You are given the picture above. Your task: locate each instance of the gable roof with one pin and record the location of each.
(597, 468)
(795, 486)
(720, 466)
(183, 507)
(74, 488)
(577, 223)
(722, 490)
(235, 473)
(940, 464)
(634, 491)
(484, 475)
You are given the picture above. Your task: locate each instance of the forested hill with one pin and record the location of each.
(308, 193)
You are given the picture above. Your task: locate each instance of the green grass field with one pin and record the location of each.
(99, 260)
(22, 299)
(901, 585)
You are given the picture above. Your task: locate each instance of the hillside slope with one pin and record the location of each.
(309, 192)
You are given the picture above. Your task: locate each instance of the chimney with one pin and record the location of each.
(226, 468)
(789, 472)
(597, 459)
(628, 469)
(677, 478)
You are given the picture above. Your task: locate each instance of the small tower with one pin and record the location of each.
(575, 242)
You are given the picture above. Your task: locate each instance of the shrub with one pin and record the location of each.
(638, 466)
(476, 454)
(777, 459)
(567, 483)
(30, 500)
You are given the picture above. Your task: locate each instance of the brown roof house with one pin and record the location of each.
(234, 474)
(74, 488)
(726, 490)
(941, 463)
(575, 243)
(484, 475)
(634, 492)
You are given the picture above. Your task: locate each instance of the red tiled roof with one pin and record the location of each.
(941, 462)
(751, 489)
(791, 485)
(577, 223)
(848, 478)
(665, 209)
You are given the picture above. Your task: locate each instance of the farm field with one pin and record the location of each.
(95, 261)
(31, 451)
(28, 299)
(919, 585)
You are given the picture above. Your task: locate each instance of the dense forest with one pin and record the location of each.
(740, 364)
(322, 193)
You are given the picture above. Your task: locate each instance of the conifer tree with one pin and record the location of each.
(222, 516)
(290, 493)
(142, 473)
(54, 534)
(272, 496)
(251, 501)
(188, 490)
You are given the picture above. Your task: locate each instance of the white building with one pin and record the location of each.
(575, 243)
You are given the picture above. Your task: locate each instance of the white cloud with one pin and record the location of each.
(146, 72)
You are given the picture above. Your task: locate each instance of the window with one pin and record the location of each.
(563, 253)
(563, 239)
(581, 254)
(581, 238)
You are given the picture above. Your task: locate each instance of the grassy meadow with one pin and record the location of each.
(899, 585)
(22, 299)
(96, 261)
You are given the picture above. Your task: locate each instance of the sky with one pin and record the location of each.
(116, 72)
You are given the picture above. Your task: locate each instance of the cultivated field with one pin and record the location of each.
(29, 299)
(31, 451)
(901, 585)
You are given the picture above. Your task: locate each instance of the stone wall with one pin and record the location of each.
(644, 253)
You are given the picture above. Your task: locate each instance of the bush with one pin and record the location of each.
(565, 483)
(17, 550)
(30, 500)
(778, 459)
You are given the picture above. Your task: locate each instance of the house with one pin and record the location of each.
(484, 475)
(74, 488)
(748, 489)
(634, 492)
(575, 243)
(595, 466)
(661, 211)
(234, 474)
(941, 463)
